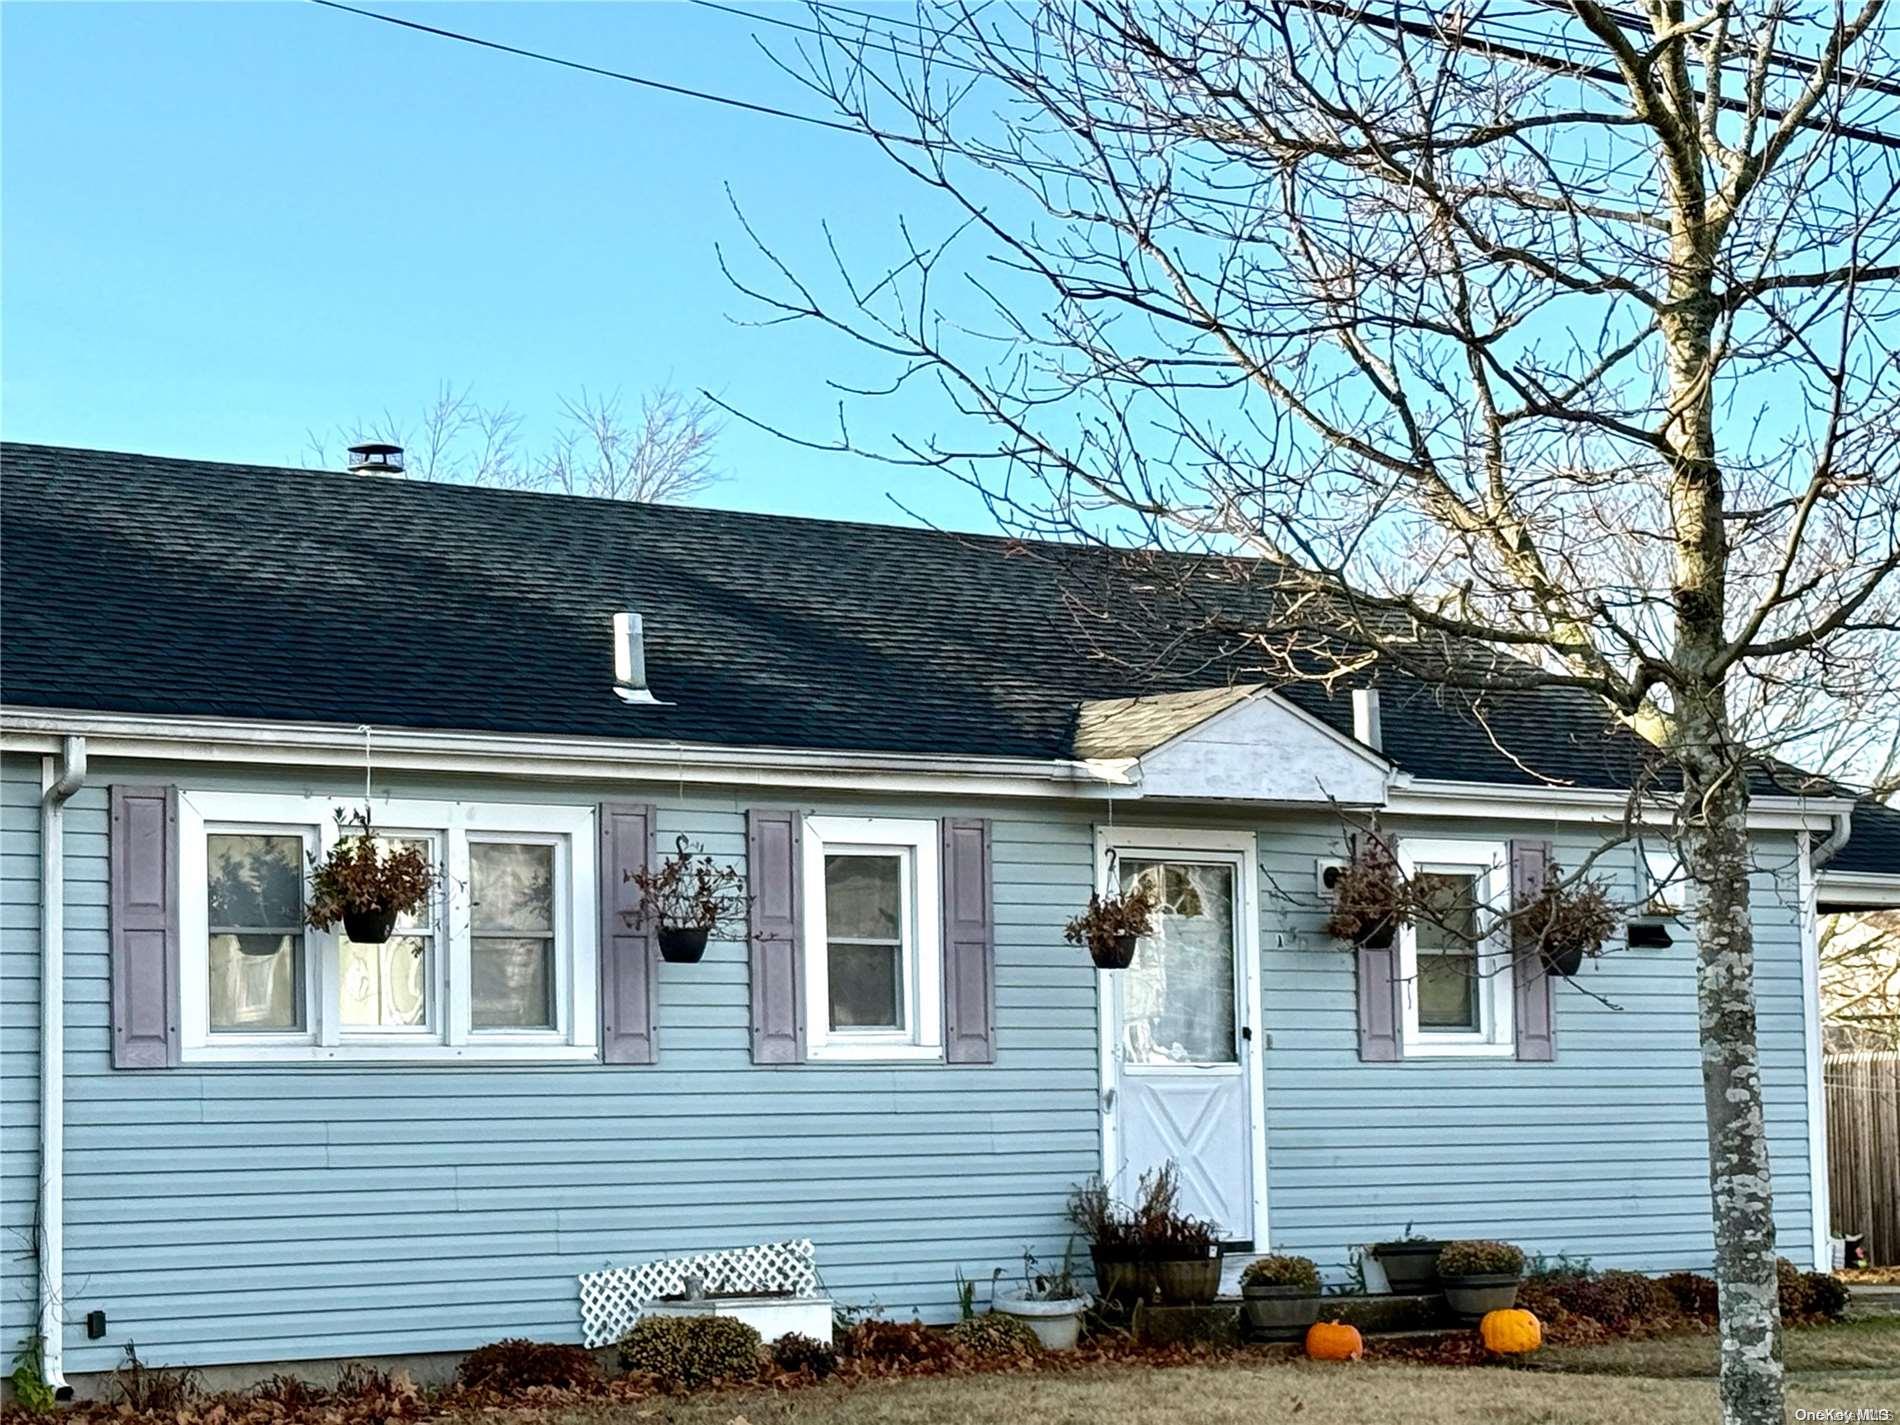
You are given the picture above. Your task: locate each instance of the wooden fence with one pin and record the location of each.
(1863, 1148)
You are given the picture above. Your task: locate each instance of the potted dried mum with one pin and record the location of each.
(1566, 923)
(1108, 1228)
(687, 897)
(1049, 1303)
(1410, 1263)
(1182, 1251)
(366, 886)
(1370, 897)
(1113, 923)
(1479, 1276)
(1280, 1295)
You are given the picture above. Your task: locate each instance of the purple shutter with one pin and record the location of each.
(627, 956)
(778, 1003)
(144, 909)
(969, 945)
(1381, 1011)
(1530, 980)
(1380, 1016)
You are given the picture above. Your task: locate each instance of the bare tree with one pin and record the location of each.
(662, 452)
(1519, 348)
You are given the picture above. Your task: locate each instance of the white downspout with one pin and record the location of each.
(1814, 1061)
(51, 1242)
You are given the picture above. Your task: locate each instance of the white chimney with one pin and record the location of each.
(375, 457)
(630, 661)
(1365, 718)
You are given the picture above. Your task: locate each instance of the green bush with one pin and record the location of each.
(690, 1350)
(516, 1365)
(1282, 1271)
(793, 1352)
(1480, 1259)
(995, 1337)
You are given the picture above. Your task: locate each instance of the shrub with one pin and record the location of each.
(690, 1350)
(293, 1393)
(152, 1390)
(1827, 1297)
(793, 1352)
(1791, 1288)
(1616, 1300)
(1282, 1271)
(1480, 1259)
(908, 1343)
(995, 1337)
(516, 1365)
(1695, 1294)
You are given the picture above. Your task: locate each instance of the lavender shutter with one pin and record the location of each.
(778, 1013)
(969, 945)
(1530, 980)
(144, 909)
(1381, 1013)
(627, 953)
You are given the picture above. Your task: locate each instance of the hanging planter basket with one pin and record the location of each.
(1113, 952)
(368, 927)
(683, 944)
(1379, 935)
(1567, 924)
(1566, 962)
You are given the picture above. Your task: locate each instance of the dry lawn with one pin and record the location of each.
(1850, 1377)
(1871, 1345)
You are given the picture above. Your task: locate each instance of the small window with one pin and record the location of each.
(254, 924)
(511, 897)
(1454, 966)
(872, 961)
(390, 987)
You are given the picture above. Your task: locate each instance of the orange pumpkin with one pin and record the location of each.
(1510, 1333)
(1334, 1341)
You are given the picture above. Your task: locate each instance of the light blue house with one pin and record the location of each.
(234, 1141)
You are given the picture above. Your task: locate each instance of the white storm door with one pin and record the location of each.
(1179, 1052)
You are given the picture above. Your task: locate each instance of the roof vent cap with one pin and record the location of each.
(630, 661)
(376, 457)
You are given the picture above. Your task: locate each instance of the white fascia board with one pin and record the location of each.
(243, 741)
(1415, 796)
(1859, 888)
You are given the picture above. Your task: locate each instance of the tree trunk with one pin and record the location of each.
(1714, 841)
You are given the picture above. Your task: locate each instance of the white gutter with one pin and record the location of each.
(51, 1237)
(1418, 796)
(594, 758)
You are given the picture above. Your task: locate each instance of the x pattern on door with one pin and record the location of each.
(1195, 1119)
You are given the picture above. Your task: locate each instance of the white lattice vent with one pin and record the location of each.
(612, 1299)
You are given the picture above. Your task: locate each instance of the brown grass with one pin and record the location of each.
(1870, 1345)
(1242, 1395)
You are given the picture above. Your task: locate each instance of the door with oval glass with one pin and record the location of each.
(1180, 1072)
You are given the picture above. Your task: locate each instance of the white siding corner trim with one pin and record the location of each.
(1813, 1065)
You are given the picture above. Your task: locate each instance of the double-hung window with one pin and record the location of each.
(1454, 960)
(872, 944)
(500, 964)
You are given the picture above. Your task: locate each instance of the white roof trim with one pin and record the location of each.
(1375, 760)
(1862, 888)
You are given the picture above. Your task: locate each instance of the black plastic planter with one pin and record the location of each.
(1411, 1266)
(1117, 953)
(1379, 937)
(368, 927)
(682, 944)
(1565, 962)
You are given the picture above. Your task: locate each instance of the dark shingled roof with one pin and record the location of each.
(140, 584)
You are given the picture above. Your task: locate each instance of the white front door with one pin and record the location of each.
(1180, 1072)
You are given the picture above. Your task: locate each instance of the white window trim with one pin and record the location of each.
(324, 1039)
(1496, 998)
(923, 964)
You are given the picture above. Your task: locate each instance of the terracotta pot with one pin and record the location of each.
(1113, 954)
(682, 944)
(368, 927)
(1471, 1297)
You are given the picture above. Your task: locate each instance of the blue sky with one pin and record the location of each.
(226, 224)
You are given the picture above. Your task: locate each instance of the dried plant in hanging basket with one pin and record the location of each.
(1565, 923)
(365, 886)
(1113, 923)
(1371, 899)
(686, 899)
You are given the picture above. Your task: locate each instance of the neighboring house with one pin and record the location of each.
(252, 1144)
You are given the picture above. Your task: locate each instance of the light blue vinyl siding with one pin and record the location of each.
(237, 1214)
